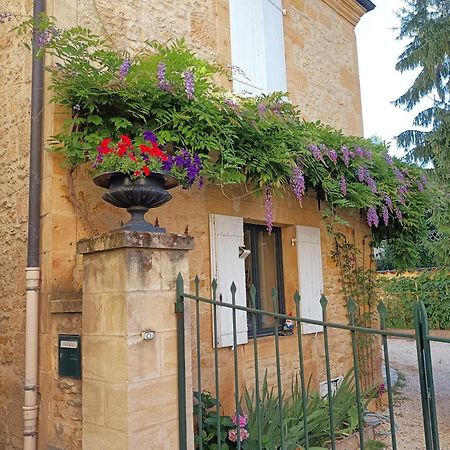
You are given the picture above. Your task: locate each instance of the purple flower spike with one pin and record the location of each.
(389, 159)
(372, 217)
(189, 84)
(398, 214)
(262, 108)
(385, 214)
(298, 183)
(345, 156)
(362, 171)
(371, 183)
(388, 202)
(343, 186)
(150, 137)
(399, 174)
(316, 153)
(44, 38)
(268, 206)
(360, 152)
(124, 68)
(332, 154)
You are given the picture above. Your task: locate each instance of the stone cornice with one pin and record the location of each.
(350, 10)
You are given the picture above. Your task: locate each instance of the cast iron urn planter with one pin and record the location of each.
(137, 196)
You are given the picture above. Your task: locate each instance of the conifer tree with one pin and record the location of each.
(425, 25)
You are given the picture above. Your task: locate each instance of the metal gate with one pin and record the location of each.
(305, 436)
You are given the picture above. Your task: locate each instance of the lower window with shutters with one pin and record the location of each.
(264, 269)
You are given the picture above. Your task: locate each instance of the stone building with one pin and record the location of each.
(316, 46)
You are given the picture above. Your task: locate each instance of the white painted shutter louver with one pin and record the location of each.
(226, 235)
(257, 46)
(310, 274)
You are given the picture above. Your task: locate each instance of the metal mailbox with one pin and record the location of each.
(69, 359)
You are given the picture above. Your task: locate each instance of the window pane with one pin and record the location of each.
(267, 268)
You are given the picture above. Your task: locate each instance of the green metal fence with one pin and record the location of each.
(421, 336)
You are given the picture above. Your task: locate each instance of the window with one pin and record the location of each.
(257, 46)
(264, 269)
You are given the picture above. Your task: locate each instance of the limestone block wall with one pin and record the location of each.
(15, 73)
(322, 79)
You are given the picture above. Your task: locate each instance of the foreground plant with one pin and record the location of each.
(260, 142)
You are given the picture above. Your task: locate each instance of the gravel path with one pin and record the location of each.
(408, 411)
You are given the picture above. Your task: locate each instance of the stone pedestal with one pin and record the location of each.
(129, 385)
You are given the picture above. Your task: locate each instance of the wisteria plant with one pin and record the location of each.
(262, 142)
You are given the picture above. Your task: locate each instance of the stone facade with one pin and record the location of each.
(15, 73)
(322, 74)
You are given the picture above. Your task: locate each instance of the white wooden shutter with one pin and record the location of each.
(310, 274)
(257, 46)
(226, 235)
(274, 39)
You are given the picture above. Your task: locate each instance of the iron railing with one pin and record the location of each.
(421, 336)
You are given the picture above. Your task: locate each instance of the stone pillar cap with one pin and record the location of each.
(135, 239)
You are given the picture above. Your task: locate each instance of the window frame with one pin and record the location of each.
(254, 231)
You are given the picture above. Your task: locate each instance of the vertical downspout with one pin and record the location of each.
(32, 271)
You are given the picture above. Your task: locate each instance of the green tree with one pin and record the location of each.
(425, 24)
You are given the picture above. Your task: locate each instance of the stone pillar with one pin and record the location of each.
(129, 385)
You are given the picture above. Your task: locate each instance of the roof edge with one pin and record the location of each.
(366, 4)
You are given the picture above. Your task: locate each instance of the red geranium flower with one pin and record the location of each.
(126, 140)
(137, 173)
(105, 142)
(122, 149)
(146, 171)
(132, 157)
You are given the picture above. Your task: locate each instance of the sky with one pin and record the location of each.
(378, 51)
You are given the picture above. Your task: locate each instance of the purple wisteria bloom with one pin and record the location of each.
(372, 217)
(231, 103)
(420, 186)
(268, 206)
(189, 84)
(161, 75)
(360, 152)
(44, 38)
(124, 68)
(403, 189)
(262, 108)
(399, 174)
(345, 155)
(343, 185)
(150, 137)
(332, 154)
(298, 183)
(385, 214)
(368, 154)
(398, 214)
(388, 202)
(316, 153)
(388, 159)
(362, 171)
(6, 16)
(370, 182)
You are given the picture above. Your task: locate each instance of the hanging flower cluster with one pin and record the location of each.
(143, 157)
(240, 421)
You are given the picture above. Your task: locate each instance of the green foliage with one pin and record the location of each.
(209, 417)
(402, 291)
(358, 282)
(426, 26)
(257, 141)
(345, 416)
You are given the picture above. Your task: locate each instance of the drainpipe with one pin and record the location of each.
(32, 271)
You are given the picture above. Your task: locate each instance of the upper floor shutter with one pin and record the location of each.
(257, 46)
(310, 274)
(226, 235)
